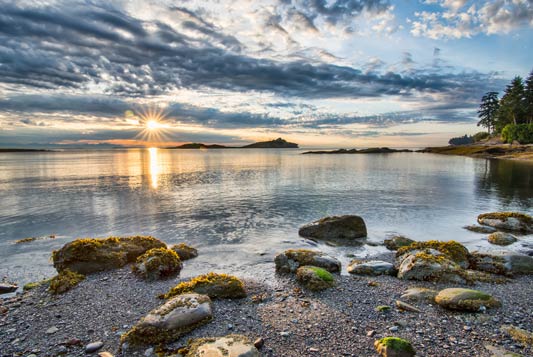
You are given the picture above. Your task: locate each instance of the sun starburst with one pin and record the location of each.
(154, 125)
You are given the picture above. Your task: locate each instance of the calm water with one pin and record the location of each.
(241, 207)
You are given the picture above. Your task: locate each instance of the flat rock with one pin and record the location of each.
(346, 229)
(502, 262)
(509, 221)
(419, 294)
(465, 299)
(228, 346)
(290, 260)
(480, 229)
(94, 346)
(373, 267)
(397, 242)
(6, 288)
(501, 238)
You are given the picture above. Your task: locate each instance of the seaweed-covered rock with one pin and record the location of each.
(465, 299)
(174, 318)
(216, 286)
(314, 278)
(65, 281)
(394, 347)
(502, 262)
(480, 229)
(227, 346)
(501, 238)
(184, 251)
(452, 250)
(373, 267)
(341, 229)
(290, 260)
(519, 335)
(419, 294)
(88, 255)
(397, 242)
(6, 288)
(429, 265)
(157, 263)
(510, 221)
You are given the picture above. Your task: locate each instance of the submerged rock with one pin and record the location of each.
(86, 256)
(419, 294)
(465, 299)
(65, 281)
(221, 286)
(480, 229)
(228, 346)
(429, 265)
(290, 260)
(6, 288)
(373, 267)
(315, 278)
(157, 263)
(397, 242)
(502, 262)
(501, 238)
(394, 347)
(174, 318)
(510, 221)
(184, 251)
(341, 229)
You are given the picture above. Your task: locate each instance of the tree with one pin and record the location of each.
(488, 110)
(512, 105)
(528, 98)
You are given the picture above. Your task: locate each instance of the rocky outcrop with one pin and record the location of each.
(228, 346)
(509, 221)
(314, 278)
(339, 229)
(184, 251)
(166, 323)
(216, 286)
(429, 265)
(501, 238)
(157, 263)
(394, 347)
(502, 262)
(290, 260)
(373, 267)
(397, 242)
(451, 250)
(86, 256)
(465, 300)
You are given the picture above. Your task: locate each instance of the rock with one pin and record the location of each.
(65, 281)
(373, 267)
(149, 352)
(419, 294)
(397, 242)
(105, 354)
(429, 265)
(509, 221)
(519, 335)
(370, 333)
(6, 288)
(94, 346)
(502, 262)
(480, 229)
(52, 330)
(465, 299)
(259, 343)
(452, 250)
(216, 286)
(86, 256)
(406, 307)
(314, 278)
(340, 229)
(500, 352)
(394, 347)
(174, 318)
(184, 251)
(228, 346)
(157, 263)
(501, 238)
(290, 260)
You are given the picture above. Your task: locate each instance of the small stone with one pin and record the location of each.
(371, 333)
(230, 327)
(312, 349)
(94, 346)
(406, 307)
(105, 354)
(149, 352)
(393, 328)
(52, 330)
(284, 333)
(259, 343)
(467, 328)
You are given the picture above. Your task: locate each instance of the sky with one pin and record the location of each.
(322, 73)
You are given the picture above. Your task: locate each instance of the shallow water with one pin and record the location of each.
(240, 207)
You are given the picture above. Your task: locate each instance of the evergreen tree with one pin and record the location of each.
(512, 105)
(488, 110)
(528, 98)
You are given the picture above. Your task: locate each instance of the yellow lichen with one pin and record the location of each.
(184, 251)
(451, 249)
(212, 284)
(157, 263)
(65, 281)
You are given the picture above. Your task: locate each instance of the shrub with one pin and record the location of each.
(523, 133)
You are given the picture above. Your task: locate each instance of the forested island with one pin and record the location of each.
(279, 143)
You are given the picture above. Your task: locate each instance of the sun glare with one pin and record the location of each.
(152, 125)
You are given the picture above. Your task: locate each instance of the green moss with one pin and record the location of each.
(451, 249)
(397, 344)
(382, 308)
(184, 251)
(212, 284)
(505, 215)
(36, 284)
(65, 281)
(157, 263)
(322, 273)
(465, 299)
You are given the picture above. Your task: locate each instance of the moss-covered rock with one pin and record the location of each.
(452, 250)
(290, 260)
(65, 281)
(510, 221)
(429, 265)
(314, 278)
(397, 242)
(373, 268)
(519, 335)
(394, 347)
(216, 286)
(171, 320)
(89, 255)
(35, 284)
(419, 294)
(501, 238)
(383, 308)
(184, 251)
(465, 299)
(480, 229)
(228, 346)
(502, 262)
(340, 229)
(157, 263)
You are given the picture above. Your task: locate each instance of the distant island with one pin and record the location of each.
(355, 151)
(24, 150)
(279, 143)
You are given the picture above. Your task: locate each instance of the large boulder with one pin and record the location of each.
(394, 347)
(157, 263)
(228, 346)
(452, 250)
(171, 320)
(502, 262)
(510, 221)
(396, 242)
(314, 278)
(340, 229)
(429, 265)
(465, 299)
(86, 256)
(216, 286)
(373, 267)
(501, 238)
(290, 260)
(184, 251)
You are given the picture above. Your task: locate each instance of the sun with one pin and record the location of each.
(153, 125)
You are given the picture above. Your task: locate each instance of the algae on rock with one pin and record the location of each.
(184, 251)
(65, 281)
(290, 260)
(314, 278)
(157, 263)
(216, 286)
(465, 299)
